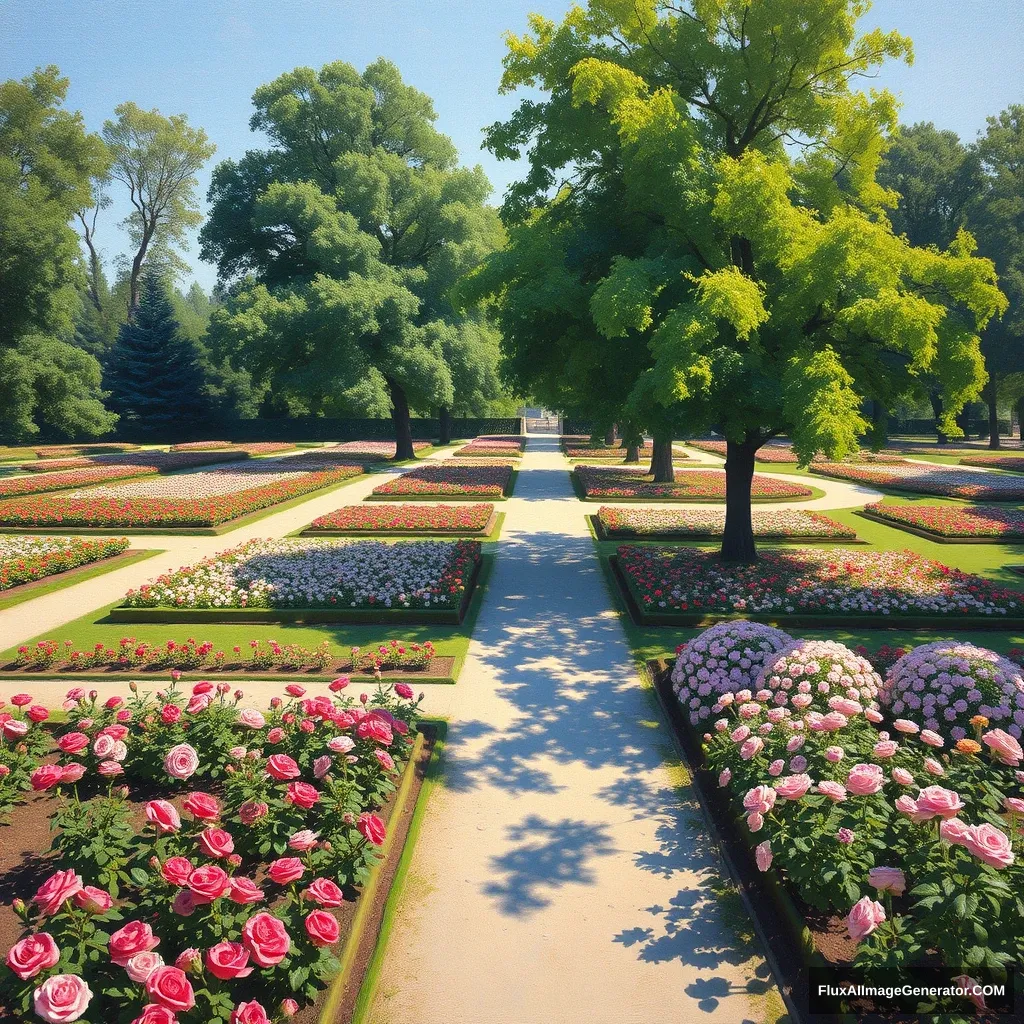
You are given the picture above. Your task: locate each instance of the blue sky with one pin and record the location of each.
(204, 58)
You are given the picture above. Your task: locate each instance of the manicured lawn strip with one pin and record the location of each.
(432, 778)
(48, 584)
(448, 640)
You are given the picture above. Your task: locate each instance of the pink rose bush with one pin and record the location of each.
(725, 659)
(221, 903)
(23, 743)
(945, 684)
(908, 835)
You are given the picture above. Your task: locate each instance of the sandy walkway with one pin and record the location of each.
(560, 874)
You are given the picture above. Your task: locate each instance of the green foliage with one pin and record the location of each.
(344, 241)
(47, 162)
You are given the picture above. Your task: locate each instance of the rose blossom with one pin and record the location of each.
(181, 761)
(164, 815)
(109, 769)
(793, 787)
(835, 791)
(215, 842)
(304, 840)
(266, 939)
(72, 773)
(251, 811)
(885, 748)
(62, 998)
(142, 965)
(834, 754)
(73, 742)
(990, 845)
(251, 718)
(887, 880)
(302, 794)
(59, 887)
(208, 883)
(282, 767)
(244, 890)
(228, 960)
(954, 831)
(902, 776)
(1003, 746)
(341, 744)
(325, 892)
(34, 953)
(134, 937)
(724, 776)
(760, 799)
(170, 987)
(322, 928)
(864, 917)
(202, 806)
(285, 870)
(845, 836)
(934, 800)
(865, 779)
(763, 855)
(46, 776)
(249, 1013)
(96, 901)
(176, 870)
(751, 747)
(371, 828)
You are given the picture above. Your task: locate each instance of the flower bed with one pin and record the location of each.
(199, 446)
(226, 895)
(302, 574)
(14, 487)
(203, 484)
(252, 658)
(163, 513)
(375, 449)
(451, 479)
(875, 587)
(581, 448)
(1013, 463)
(778, 453)
(597, 482)
(27, 559)
(493, 447)
(657, 523)
(152, 461)
(59, 451)
(406, 519)
(961, 522)
(878, 830)
(945, 481)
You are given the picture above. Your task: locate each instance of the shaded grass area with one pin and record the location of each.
(989, 560)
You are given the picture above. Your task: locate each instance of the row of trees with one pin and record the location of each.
(705, 239)
(336, 250)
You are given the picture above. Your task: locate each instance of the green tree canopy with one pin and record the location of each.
(47, 164)
(753, 270)
(344, 240)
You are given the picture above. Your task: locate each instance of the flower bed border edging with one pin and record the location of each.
(937, 538)
(806, 620)
(352, 616)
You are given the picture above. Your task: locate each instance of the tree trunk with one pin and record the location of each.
(738, 538)
(991, 397)
(936, 401)
(400, 417)
(444, 416)
(632, 453)
(609, 436)
(662, 468)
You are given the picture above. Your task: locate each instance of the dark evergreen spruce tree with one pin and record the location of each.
(153, 374)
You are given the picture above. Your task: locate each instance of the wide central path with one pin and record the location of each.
(563, 873)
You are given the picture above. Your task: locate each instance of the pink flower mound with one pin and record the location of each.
(944, 684)
(726, 658)
(821, 676)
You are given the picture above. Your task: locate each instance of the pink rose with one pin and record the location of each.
(176, 870)
(109, 769)
(886, 748)
(62, 998)
(251, 718)
(266, 939)
(33, 954)
(834, 754)
(73, 742)
(724, 776)
(215, 842)
(302, 841)
(905, 725)
(865, 779)
(181, 761)
(933, 767)
(71, 773)
(142, 965)
(835, 791)
(189, 960)
(322, 928)
(228, 960)
(793, 787)
(902, 776)
(202, 806)
(954, 831)
(989, 845)
(96, 901)
(864, 917)
(103, 746)
(755, 821)
(972, 990)
(751, 747)
(760, 799)
(249, 1013)
(1014, 804)
(888, 880)
(251, 811)
(19, 700)
(763, 855)
(276, 735)
(371, 828)
(208, 883)
(134, 937)
(302, 794)
(46, 776)
(170, 987)
(164, 815)
(325, 892)
(1003, 746)
(59, 887)
(908, 805)
(185, 903)
(154, 1013)
(285, 870)
(375, 728)
(933, 739)
(935, 801)
(244, 890)
(282, 767)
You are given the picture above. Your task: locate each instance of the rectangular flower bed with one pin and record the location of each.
(59, 451)
(687, 586)
(250, 659)
(863, 844)
(308, 580)
(450, 479)
(955, 523)
(375, 449)
(1013, 463)
(916, 478)
(27, 559)
(597, 482)
(153, 461)
(240, 883)
(493, 447)
(406, 520)
(199, 446)
(17, 486)
(581, 447)
(163, 513)
(686, 524)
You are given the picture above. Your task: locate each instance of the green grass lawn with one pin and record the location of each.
(988, 560)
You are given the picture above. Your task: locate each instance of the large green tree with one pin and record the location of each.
(47, 164)
(343, 241)
(762, 286)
